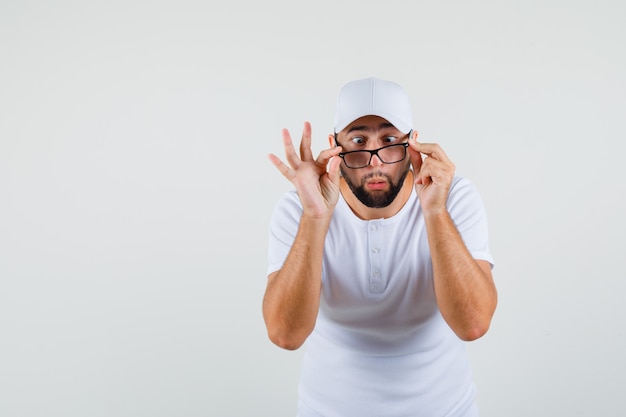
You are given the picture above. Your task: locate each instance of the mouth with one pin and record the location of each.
(377, 184)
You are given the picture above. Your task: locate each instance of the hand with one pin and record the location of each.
(315, 180)
(433, 174)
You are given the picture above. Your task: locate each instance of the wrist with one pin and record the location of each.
(317, 219)
(435, 213)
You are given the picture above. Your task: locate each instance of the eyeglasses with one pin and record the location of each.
(390, 154)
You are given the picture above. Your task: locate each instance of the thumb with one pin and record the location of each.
(333, 169)
(416, 159)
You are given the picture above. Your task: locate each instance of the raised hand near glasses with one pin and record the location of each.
(316, 179)
(433, 174)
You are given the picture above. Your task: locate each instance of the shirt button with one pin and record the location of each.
(376, 274)
(374, 250)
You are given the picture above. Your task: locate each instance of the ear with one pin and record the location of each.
(414, 156)
(331, 140)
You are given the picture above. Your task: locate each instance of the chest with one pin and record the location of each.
(377, 268)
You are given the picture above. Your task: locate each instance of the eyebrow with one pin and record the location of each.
(381, 126)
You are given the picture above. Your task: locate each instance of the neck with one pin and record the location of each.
(369, 213)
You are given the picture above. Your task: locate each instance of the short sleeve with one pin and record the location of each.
(468, 214)
(284, 224)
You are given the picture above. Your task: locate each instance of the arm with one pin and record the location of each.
(292, 295)
(464, 287)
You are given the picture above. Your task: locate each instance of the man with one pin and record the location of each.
(380, 261)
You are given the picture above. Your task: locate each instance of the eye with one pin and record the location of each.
(359, 140)
(390, 139)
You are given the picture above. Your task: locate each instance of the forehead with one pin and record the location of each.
(369, 124)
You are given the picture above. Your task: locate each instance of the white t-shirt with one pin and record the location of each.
(380, 346)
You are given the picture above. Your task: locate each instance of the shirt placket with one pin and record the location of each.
(376, 278)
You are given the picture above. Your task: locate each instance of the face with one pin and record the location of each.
(377, 184)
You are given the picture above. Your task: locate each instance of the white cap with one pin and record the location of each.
(373, 96)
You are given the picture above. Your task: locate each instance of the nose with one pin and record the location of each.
(375, 161)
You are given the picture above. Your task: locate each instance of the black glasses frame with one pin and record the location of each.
(372, 153)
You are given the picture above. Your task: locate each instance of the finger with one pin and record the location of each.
(282, 167)
(416, 159)
(326, 155)
(423, 176)
(290, 152)
(436, 171)
(333, 169)
(305, 144)
(430, 165)
(431, 149)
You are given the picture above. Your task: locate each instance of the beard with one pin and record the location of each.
(376, 199)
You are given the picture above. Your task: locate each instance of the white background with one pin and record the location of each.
(135, 192)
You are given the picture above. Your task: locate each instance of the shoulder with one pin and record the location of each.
(287, 209)
(464, 196)
(462, 188)
(461, 183)
(289, 200)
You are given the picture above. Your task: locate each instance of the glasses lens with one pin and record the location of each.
(391, 154)
(358, 159)
(388, 155)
